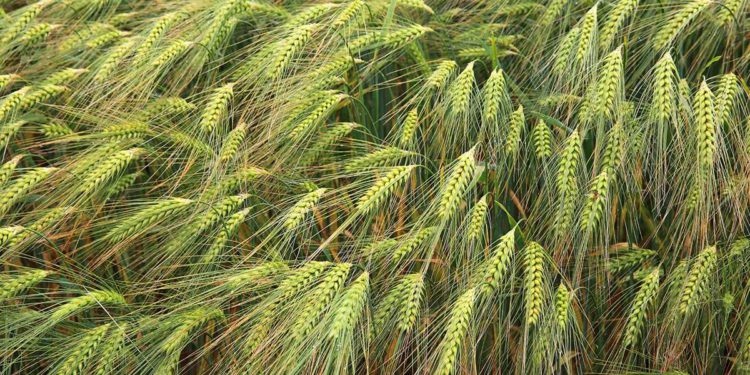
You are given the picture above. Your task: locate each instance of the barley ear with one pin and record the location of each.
(534, 282)
(457, 184)
(477, 218)
(458, 326)
(83, 352)
(562, 304)
(638, 310)
(697, 281)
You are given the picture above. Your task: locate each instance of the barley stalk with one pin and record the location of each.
(552, 12)
(105, 39)
(351, 10)
(242, 279)
(417, 4)
(126, 130)
(216, 213)
(309, 14)
(593, 211)
(323, 109)
(52, 217)
(391, 302)
(121, 184)
(614, 150)
(229, 228)
(319, 299)
(409, 128)
(55, 130)
(36, 34)
(175, 49)
(289, 47)
(7, 79)
(300, 279)
(188, 323)
(403, 36)
(219, 30)
(726, 14)
(12, 101)
(326, 140)
(164, 107)
(664, 96)
(112, 59)
(20, 23)
(156, 32)
(631, 257)
(8, 234)
(108, 169)
(739, 246)
(39, 95)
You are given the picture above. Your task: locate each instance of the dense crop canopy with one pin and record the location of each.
(374, 186)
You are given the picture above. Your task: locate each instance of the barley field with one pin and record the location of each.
(374, 187)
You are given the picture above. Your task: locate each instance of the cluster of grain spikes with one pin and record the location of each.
(374, 186)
